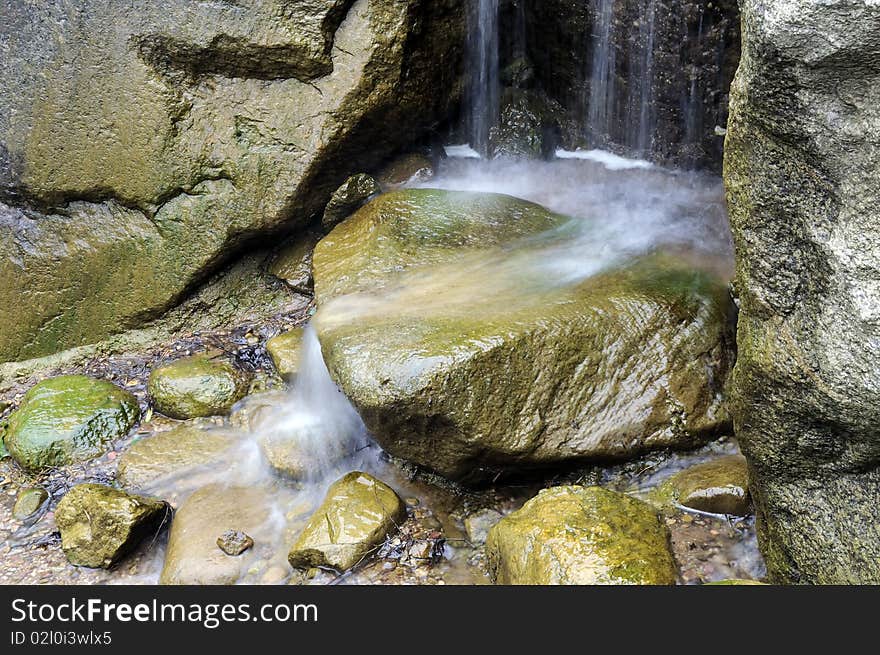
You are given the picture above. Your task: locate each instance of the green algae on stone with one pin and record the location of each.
(69, 419)
(463, 354)
(348, 198)
(29, 502)
(574, 535)
(179, 453)
(719, 486)
(357, 514)
(100, 525)
(201, 385)
(192, 556)
(285, 351)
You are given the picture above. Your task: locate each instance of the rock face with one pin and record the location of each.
(100, 525)
(140, 147)
(293, 263)
(69, 419)
(719, 486)
(670, 68)
(202, 385)
(578, 536)
(504, 368)
(801, 165)
(357, 514)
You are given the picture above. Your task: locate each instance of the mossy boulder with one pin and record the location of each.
(100, 525)
(719, 486)
(293, 263)
(575, 535)
(202, 385)
(357, 514)
(440, 319)
(349, 197)
(162, 461)
(285, 351)
(142, 144)
(29, 502)
(69, 419)
(192, 556)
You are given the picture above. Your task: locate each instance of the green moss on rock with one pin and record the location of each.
(285, 351)
(201, 385)
(719, 486)
(69, 419)
(100, 525)
(574, 535)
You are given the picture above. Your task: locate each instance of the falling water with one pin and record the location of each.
(483, 99)
(601, 102)
(640, 119)
(693, 108)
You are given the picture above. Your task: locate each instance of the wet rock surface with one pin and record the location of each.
(293, 263)
(719, 486)
(355, 517)
(68, 419)
(348, 198)
(581, 535)
(202, 385)
(482, 379)
(100, 525)
(285, 351)
(234, 542)
(800, 168)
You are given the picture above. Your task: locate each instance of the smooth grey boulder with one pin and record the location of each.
(144, 144)
(801, 169)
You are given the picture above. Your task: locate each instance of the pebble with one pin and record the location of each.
(234, 542)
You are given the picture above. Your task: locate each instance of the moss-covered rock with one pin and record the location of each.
(800, 170)
(69, 419)
(147, 178)
(348, 198)
(100, 525)
(293, 263)
(29, 502)
(156, 463)
(719, 486)
(528, 127)
(575, 535)
(285, 351)
(193, 557)
(463, 353)
(201, 385)
(356, 515)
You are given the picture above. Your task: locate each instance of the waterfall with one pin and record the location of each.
(633, 129)
(601, 101)
(483, 94)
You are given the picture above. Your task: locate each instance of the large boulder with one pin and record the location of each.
(68, 419)
(801, 165)
(140, 146)
(100, 525)
(581, 536)
(442, 318)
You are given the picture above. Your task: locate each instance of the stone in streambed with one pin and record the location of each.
(293, 263)
(29, 503)
(100, 525)
(348, 198)
(285, 351)
(440, 321)
(68, 419)
(234, 542)
(478, 524)
(576, 536)
(158, 460)
(201, 385)
(192, 556)
(409, 168)
(357, 514)
(719, 486)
